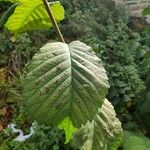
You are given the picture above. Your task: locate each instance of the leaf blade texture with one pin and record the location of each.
(64, 81)
(31, 15)
(103, 133)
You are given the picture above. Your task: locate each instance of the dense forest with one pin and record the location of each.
(74, 75)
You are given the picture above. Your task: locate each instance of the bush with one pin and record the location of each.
(44, 138)
(89, 18)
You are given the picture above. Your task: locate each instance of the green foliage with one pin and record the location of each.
(146, 11)
(145, 98)
(134, 141)
(87, 19)
(119, 54)
(118, 47)
(125, 80)
(67, 125)
(7, 14)
(44, 138)
(58, 80)
(35, 16)
(103, 133)
(14, 54)
(143, 60)
(12, 1)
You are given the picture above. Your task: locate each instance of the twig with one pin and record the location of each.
(52, 19)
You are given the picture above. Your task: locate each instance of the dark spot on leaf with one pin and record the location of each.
(54, 54)
(58, 105)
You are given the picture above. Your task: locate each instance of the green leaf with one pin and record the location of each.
(7, 14)
(103, 133)
(147, 28)
(64, 81)
(4, 147)
(135, 141)
(146, 11)
(67, 125)
(126, 98)
(12, 1)
(31, 15)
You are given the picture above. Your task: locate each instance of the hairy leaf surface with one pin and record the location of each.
(103, 133)
(31, 15)
(64, 81)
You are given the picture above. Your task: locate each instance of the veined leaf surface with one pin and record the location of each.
(31, 15)
(103, 133)
(64, 81)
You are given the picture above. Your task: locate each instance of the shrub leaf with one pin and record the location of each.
(103, 133)
(64, 81)
(68, 127)
(31, 15)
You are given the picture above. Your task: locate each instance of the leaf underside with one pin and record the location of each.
(64, 81)
(31, 15)
(103, 133)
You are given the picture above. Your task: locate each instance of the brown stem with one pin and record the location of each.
(52, 19)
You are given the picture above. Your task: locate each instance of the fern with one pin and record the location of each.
(58, 82)
(31, 15)
(103, 133)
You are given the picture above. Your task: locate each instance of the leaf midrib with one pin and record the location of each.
(71, 83)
